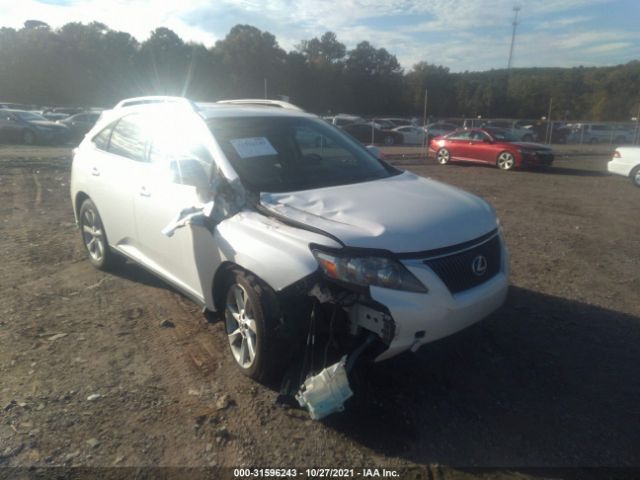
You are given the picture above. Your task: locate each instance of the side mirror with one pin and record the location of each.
(190, 171)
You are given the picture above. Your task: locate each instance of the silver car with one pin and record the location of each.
(233, 206)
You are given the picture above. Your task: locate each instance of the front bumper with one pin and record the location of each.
(619, 167)
(537, 159)
(420, 318)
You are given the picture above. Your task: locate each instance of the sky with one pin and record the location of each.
(472, 35)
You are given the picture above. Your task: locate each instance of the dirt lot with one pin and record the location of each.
(91, 378)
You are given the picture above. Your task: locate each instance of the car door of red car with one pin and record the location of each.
(480, 147)
(457, 144)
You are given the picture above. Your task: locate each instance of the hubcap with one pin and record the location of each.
(92, 235)
(505, 161)
(637, 178)
(241, 326)
(443, 156)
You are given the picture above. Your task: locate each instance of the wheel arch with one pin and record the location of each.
(77, 203)
(219, 278)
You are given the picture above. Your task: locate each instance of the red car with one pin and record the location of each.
(494, 146)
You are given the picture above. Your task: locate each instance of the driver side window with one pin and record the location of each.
(478, 136)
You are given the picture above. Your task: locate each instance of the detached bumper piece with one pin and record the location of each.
(326, 392)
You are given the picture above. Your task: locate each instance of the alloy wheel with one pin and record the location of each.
(93, 235)
(443, 156)
(506, 161)
(241, 326)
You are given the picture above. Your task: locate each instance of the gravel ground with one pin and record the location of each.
(91, 378)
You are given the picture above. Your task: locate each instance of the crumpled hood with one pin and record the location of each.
(404, 213)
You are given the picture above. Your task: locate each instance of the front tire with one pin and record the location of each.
(443, 156)
(506, 161)
(252, 317)
(94, 238)
(389, 140)
(635, 176)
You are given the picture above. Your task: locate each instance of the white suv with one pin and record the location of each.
(285, 236)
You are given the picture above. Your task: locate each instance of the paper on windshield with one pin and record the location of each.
(253, 147)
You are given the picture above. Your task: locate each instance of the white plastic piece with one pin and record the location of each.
(326, 392)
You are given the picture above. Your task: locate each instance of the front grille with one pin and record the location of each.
(457, 270)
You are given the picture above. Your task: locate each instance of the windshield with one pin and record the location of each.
(502, 135)
(30, 117)
(282, 154)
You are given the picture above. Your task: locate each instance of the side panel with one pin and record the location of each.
(101, 175)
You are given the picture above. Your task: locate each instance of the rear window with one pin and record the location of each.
(101, 140)
(128, 138)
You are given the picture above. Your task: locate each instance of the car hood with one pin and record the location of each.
(404, 213)
(531, 146)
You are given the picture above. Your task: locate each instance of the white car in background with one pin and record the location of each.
(233, 206)
(411, 135)
(626, 162)
(438, 129)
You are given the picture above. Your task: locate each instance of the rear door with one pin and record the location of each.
(109, 168)
(457, 144)
(479, 147)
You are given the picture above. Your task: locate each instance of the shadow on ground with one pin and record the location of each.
(545, 382)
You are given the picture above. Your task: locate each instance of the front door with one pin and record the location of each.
(176, 177)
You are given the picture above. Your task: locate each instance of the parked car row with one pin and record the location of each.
(49, 126)
(20, 126)
(500, 147)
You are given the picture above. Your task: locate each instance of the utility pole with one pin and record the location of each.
(265, 89)
(424, 123)
(513, 36)
(549, 131)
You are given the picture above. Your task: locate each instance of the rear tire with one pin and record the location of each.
(389, 140)
(94, 237)
(443, 156)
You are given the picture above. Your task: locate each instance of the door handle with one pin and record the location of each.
(95, 172)
(144, 192)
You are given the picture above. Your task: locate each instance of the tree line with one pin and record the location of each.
(92, 65)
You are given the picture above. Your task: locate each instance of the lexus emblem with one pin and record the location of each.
(479, 265)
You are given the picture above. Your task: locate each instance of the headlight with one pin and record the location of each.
(364, 271)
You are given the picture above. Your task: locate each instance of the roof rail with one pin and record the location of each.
(261, 102)
(129, 102)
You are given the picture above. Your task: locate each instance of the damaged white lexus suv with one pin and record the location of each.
(292, 230)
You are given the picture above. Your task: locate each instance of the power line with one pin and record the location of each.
(513, 35)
